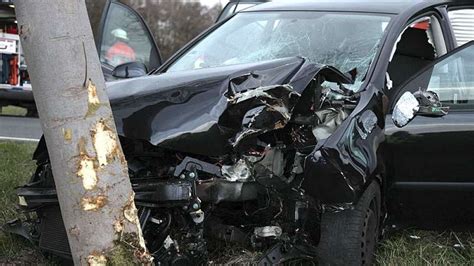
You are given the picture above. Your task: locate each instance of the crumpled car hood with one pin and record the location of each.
(205, 111)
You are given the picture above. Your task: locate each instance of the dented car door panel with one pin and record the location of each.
(342, 166)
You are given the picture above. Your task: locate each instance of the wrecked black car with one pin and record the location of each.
(278, 129)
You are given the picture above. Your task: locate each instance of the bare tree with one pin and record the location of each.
(89, 168)
(175, 22)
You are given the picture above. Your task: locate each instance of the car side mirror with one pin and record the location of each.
(130, 70)
(430, 105)
(423, 103)
(405, 109)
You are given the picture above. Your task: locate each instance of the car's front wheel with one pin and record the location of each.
(349, 237)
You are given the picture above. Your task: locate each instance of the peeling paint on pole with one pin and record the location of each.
(130, 211)
(67, 132)
(92, 99)
(93, 203)
(118, 226)
(105, 143)
(87, 172)
(92, 93)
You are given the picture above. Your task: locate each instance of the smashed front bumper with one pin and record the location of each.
(194, 205)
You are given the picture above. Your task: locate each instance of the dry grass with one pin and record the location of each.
(415, 247)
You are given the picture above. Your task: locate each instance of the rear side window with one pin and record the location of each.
(462, 21)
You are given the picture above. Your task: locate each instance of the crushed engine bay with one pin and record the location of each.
(230, 168)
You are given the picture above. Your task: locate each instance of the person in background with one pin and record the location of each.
(120, 52)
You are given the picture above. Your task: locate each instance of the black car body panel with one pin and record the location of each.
(205, 99)
(17, 97)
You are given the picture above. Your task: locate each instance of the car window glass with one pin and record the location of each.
(462, 22)
(125, 38)
(247, 42)
(452, 79)
(323, 38)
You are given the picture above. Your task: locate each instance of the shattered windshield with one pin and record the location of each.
(346, 41)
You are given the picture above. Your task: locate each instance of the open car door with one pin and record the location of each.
(121, 36)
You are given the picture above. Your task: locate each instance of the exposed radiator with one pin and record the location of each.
(53, 234)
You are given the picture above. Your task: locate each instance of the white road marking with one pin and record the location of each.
(19, 139)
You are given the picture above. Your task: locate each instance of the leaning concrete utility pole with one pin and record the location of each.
(89, 168)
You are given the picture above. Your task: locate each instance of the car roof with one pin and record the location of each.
(368, 6)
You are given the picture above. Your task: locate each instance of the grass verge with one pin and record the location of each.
(16, 167)
(12, 110)
(407, 247)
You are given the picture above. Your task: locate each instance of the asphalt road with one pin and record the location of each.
(20, 128)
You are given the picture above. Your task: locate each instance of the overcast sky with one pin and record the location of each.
(213, 2)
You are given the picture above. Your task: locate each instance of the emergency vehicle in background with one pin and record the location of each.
(15, 88)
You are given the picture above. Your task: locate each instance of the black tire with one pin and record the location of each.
(349, 237)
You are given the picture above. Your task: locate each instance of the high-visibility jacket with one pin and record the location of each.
(120, 53)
